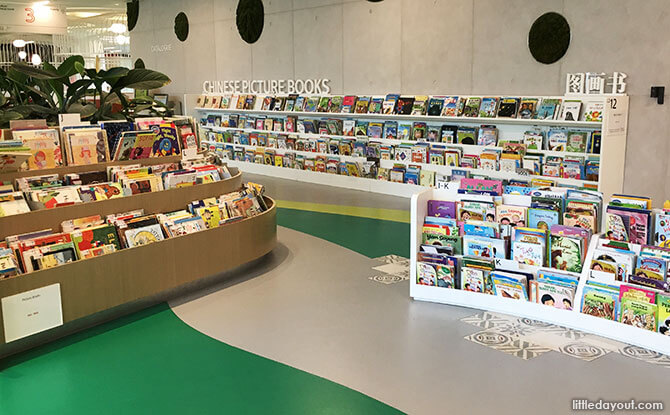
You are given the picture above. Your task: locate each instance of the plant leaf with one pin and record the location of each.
(142, 79)
(35, 72)
(68, 67)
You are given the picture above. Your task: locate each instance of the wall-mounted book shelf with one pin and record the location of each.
(568, 318)
(611, 157)
(152, 202)
(98, 284)
(424, 118)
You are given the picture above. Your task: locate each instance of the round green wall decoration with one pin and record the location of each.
(181, 26)
(250, 19)
(549, 38)
(132, 13)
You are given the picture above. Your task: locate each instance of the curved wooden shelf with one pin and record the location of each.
(98, 284)
(152, 202)
(11, 176)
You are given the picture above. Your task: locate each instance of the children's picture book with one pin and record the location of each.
(143, 235)
(593, 111)
(404, 105)
(542, 218)
(527, 108)
(489, 107)
(577, 141)
(435, 105)
(450, 107)
(511, 215)
(471, 108)
(508, 107)
(548, 109)
(570, 110)
(557, 139)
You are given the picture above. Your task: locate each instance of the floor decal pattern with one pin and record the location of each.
(527, 338)
(394, 269)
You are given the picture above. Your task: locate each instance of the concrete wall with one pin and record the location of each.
(428, 47)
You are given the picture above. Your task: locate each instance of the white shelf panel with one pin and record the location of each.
(424, 118)
(467, 148)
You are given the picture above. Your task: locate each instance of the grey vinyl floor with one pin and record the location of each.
(312, 306)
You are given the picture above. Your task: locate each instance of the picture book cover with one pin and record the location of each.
(83, 147)
(336, 104)
(324, 104)
(362, 105)
(87, 239)
(554, 295)
(404, 131)
(566, 253)
(654, 268)
(527, 108)
(528, 253)
(662, 229)
(511, 215)
(663, 303)
(389, 104)
(435, 105)
(143, 145)
(508, 107)
(488, 108)
(488, 135)
(548, 109)
(143, 235)
(419, 130)
(482, 185)
(570, 110)
(508, 287)
(419, 105)
(211, 215)
(593, 111)
(311, 104)
(390, 130)
(542, 218)
(448, 134)
(534, 140)
(114, 130)
(577, 141)
(466, 135)
(600, 303)
(404, 105)
(639, 314)
(44, 148)
(635, 224)
(450, 107)
(426, 274)
(375, 106)
(472, 279)
(166, 142)
(476, 210)
(557, 140)
(471, 108)
(442, 208)
(348, 104)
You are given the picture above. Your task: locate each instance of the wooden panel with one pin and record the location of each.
(153, 202)
(93, 285)
(10, 177)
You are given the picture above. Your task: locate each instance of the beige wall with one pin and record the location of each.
(429, 47)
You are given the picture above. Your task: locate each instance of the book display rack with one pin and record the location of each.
(96, 285)
(573, 273)
(392, 144)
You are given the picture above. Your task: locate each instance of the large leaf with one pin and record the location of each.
(142, 79)
(113, 75)
(85, 111)
(68, 67)
(139, 64)
(32, 108)
(78, 90)
(6, 116)
(35, 72)
(16, 76)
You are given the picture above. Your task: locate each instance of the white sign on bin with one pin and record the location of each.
(31, 312)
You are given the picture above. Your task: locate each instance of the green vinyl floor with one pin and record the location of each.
(152, 363)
